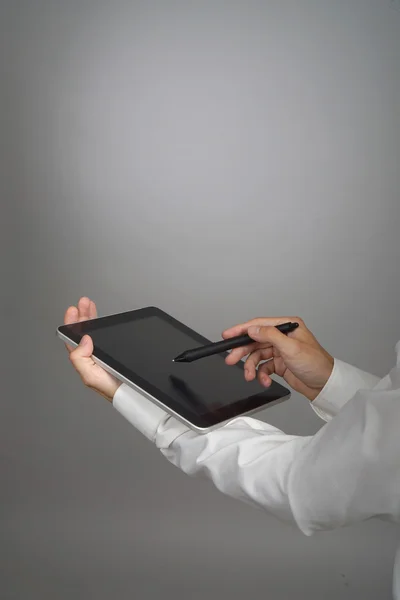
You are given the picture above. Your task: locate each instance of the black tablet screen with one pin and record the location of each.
(203, 391)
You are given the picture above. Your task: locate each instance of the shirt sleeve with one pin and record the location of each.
(348, 472)
(344, 382)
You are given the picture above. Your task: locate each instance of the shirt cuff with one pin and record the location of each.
(143, 414)
(345, 381)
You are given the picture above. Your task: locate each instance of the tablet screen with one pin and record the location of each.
(141, 346)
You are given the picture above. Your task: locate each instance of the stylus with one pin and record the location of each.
(225, 345)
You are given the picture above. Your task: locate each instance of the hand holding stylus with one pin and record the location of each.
(297, 357)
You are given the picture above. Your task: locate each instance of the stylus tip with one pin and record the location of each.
(180, 358)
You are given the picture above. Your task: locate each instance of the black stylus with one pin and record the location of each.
(230, 344)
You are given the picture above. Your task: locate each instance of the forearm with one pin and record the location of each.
(246, 459)
(315, 482)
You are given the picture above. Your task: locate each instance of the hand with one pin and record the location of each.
(92, 375)
(297, 356)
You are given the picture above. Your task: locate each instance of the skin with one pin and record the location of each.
(297, 357)
(92, 375)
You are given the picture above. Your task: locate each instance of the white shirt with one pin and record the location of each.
(348, 472)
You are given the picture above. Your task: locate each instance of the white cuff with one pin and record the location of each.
(139, 411)
(345, 381)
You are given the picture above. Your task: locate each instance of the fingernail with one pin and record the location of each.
(254, 330)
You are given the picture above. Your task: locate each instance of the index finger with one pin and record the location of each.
(259, 322)
(71, 315)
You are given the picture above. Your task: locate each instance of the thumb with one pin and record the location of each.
(274, 337)
(81, 359)
(85, 348)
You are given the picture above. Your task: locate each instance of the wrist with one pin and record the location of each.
(325, 377)
(114, 390)
(313, 394)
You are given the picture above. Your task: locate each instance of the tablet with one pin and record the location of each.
(138, 348)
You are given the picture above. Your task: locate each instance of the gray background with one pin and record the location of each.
(132, 133)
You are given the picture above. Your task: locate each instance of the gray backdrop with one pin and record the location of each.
(133, 133)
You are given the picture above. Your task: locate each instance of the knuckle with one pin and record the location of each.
(254, 357)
